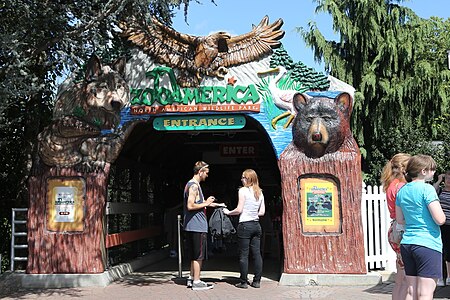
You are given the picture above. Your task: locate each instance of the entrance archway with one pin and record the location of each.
(154, 166)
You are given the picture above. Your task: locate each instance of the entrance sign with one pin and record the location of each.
(209, 122)
(320, 205)
(238, 150)
(65, 204)
(162, 94)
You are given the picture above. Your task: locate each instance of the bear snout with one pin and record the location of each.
(116, 105)
(317, 137)
(318, 132)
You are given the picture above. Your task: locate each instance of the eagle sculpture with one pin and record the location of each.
(198, 56)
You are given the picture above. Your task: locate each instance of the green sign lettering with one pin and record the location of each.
(173, 94)
(208, 122)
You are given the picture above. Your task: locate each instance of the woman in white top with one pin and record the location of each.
(250, 207)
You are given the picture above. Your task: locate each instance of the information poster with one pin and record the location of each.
(320, 205)
(65, 204)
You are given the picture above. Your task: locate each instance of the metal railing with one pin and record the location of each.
(180, 263)
(15, 234)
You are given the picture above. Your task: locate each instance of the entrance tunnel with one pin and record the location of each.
(154, 166)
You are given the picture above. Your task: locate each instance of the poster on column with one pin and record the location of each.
(320, 205)
(65, 204)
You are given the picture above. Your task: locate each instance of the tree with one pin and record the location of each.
(393, 58)
(40, 43)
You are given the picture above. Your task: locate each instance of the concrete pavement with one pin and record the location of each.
(154, 285)
(161, 281)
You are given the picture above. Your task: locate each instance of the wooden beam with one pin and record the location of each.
(131, 236)
(116, 208)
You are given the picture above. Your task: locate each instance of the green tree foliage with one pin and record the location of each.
(40, 43)
(394, 59)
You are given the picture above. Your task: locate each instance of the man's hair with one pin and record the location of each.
(199, 166)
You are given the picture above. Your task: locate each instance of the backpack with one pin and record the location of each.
(220, 225)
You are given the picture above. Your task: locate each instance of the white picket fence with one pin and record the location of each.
(376, 222)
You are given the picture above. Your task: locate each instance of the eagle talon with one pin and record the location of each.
(221, 72)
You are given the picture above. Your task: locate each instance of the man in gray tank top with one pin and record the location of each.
(196, 224)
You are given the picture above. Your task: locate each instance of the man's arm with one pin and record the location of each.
(438, 182)
(193, 194)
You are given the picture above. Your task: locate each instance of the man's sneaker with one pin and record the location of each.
(242, 285)
(200, 286)
(189, 283)
(447, 281)
(256, 284)
(440, 282)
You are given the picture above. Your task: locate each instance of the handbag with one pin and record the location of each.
(396, 234)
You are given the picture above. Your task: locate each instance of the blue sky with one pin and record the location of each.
(237, 17)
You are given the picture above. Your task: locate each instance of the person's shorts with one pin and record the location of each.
(421, 261)
(196, 245)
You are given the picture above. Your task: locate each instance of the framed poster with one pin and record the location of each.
(65, 204)
(320, 204)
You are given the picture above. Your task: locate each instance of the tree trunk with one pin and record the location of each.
(67, 251)
(323, 252)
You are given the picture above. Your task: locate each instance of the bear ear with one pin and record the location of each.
(119, 65)
(299, 100)
(93, 68)
(344, 103)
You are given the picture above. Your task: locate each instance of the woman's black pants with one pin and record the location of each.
(249, 237)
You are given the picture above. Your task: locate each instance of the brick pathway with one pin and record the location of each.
(160, 281)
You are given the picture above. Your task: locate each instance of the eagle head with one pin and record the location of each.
(209, 46)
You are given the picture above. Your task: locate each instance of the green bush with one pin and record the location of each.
(408, 140)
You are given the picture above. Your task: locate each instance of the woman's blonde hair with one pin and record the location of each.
(417, 163)
(252, 180)
(394, 169)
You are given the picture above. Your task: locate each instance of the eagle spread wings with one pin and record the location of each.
(198, 56)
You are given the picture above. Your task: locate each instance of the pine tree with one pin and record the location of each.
(389, 55)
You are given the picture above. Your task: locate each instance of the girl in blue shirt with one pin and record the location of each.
(417, 206)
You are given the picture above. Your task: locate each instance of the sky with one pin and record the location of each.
(237, 17)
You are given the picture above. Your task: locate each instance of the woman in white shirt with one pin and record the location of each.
(250, 207)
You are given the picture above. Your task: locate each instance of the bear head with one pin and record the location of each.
(321, 124)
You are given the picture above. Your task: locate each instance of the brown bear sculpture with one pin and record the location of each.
(321, 124)
(323, 157)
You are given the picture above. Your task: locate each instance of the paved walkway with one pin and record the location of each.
(161, 281)
(155, 286)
